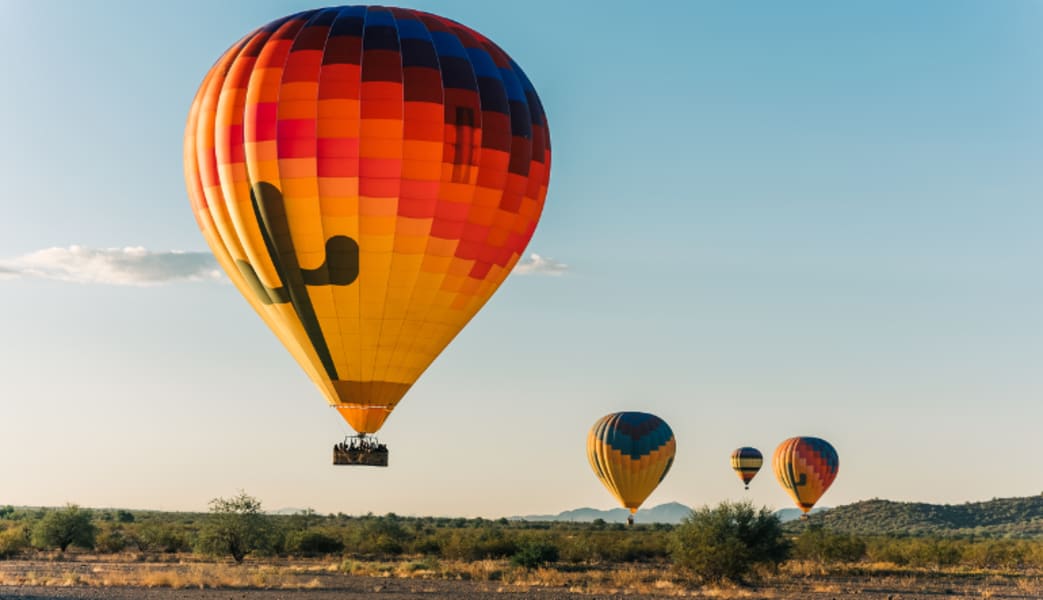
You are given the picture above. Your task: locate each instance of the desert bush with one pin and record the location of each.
(635, 546)
(478, 544)
(576, 548)
(819, 544)
(887, 550)
(998, 554)
(534, 553)
(13, 540)
(727, 542)
(380, 537)
(313, 542)
(61, 528)
(1034, 554)
(934, 553)
(110, 539)
(236, 526)
(159, 537)
(916, 551)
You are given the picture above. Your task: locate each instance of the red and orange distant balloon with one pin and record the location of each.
(806, 467)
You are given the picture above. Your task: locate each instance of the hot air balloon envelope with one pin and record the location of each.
(746, 462)
(631, 452)
(805, 467)
(367, 177)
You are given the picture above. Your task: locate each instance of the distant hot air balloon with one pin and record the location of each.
(747, 461)
(805, 467)
(631, 452)
(367, 177)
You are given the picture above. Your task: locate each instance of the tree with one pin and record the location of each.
(236, 526)
(62, 528)
(726, 542)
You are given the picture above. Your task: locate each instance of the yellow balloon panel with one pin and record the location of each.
(367, 177)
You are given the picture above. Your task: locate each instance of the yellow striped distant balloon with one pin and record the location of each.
(805, 467)
(367, 177)
(746, 462)
(631, 452)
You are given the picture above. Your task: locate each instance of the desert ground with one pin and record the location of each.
(94, 578)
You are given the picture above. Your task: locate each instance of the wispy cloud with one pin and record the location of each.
(139, 266)
(540, 265)
(113, 266)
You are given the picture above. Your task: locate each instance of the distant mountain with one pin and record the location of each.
(671, 512)
(1006, 517)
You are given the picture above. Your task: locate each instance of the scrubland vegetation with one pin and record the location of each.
(727, 544)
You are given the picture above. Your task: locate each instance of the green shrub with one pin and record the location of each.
(535, 553)
(727, 542)
(577, 548)
(888, 550)
(998, 554)
(70, 526)
(13, 540)
(478, 544)
(110, 539)
(819, 544)
(313, 542)
(933, 553)
(160, 537)
(381, 537)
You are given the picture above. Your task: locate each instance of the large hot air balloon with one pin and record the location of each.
(805, 467)
(746, 462)
(631, 452)
(367, 177)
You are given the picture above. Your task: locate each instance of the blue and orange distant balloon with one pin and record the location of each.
(806, 467)
(631, 452)
(746, 462)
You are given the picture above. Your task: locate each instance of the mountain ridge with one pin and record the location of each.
(671, 513)
(999, 517)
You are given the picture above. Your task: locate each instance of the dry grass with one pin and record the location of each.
(107, 573)
(793, 580)
(1029, 586)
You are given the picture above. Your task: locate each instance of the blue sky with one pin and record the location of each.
(812, 218)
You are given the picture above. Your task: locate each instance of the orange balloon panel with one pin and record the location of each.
(367, 177)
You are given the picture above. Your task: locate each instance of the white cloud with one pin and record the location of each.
(540, 265)
(138, 266)
(114, 266)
